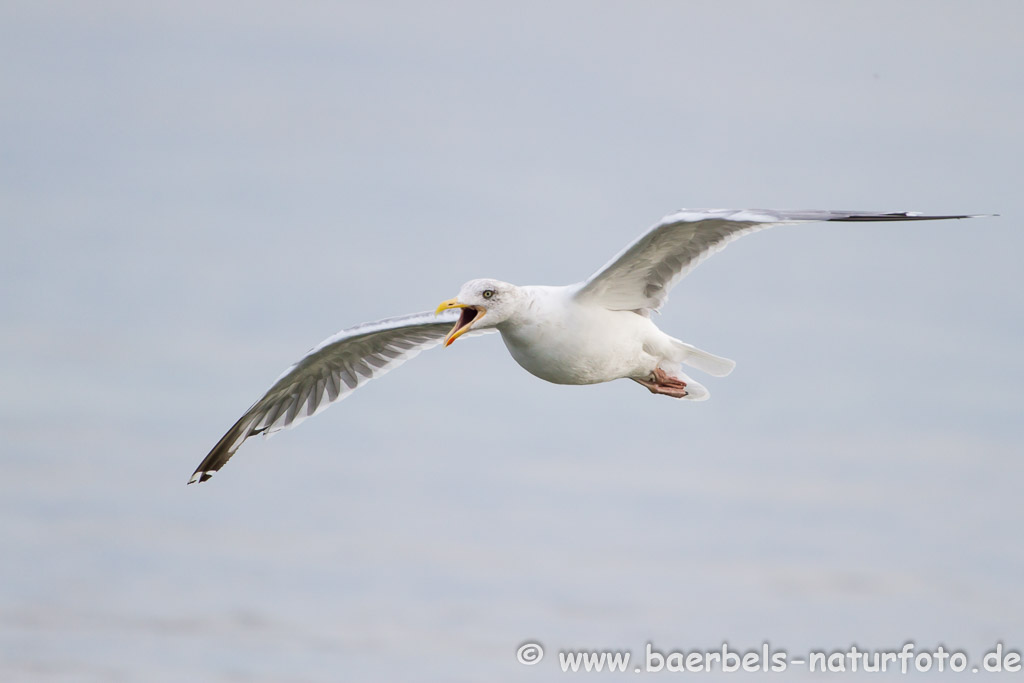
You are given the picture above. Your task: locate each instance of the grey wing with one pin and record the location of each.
(641, 275)
(331, 371)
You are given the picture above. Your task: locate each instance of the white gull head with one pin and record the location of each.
(485, 303)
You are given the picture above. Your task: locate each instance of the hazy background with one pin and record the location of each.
(193, 195)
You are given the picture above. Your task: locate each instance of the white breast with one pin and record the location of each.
(561, 341)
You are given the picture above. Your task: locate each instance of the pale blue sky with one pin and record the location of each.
(192, 196)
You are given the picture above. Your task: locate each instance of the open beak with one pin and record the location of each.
(469, 315)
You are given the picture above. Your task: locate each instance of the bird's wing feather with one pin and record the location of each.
(330, 372)
(641, 275)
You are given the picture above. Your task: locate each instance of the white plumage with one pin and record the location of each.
(594, 331)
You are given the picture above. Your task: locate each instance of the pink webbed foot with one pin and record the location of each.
(661, 382)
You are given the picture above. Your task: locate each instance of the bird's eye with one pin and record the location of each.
(488, 293)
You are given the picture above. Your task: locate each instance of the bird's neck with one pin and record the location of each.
(534, 302)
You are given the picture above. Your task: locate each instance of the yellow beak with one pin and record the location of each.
(464, 322)
(450, 303)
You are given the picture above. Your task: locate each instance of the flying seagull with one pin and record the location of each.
(589, 332)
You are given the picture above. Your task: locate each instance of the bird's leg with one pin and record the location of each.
(661, 383)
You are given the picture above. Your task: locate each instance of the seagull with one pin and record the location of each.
(590, 332)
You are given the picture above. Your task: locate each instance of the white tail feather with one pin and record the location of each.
(716, 366)
(695, 391)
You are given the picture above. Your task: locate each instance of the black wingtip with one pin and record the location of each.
(224, 449)
(198, 477)
(900, 216)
